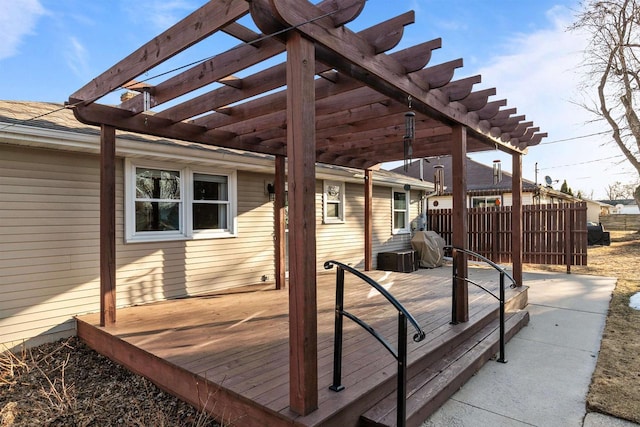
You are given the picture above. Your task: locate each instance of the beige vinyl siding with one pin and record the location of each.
(48, 241)
(159, 270)
(50, 249)
(383, 238)
(343, 242)
(49, 246)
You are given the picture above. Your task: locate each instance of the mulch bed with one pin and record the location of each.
(67, 384)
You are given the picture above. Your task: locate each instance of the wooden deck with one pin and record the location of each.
(228, 352)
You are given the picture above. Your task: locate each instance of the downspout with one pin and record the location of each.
(425, 198)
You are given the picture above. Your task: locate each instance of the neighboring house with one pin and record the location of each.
(191, 219)
(596, 209)
(483, 191)
(621, 206)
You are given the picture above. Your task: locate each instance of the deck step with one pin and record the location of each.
(429, 388)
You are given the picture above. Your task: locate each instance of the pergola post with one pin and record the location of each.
(107, 225)
(301, 153)
(368, 220)
(279, 223)
(516, 218)
(460, 221)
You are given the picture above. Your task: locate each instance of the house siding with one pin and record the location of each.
(446, 202)
(344, 241)
(49, 248)
(50, 251)
(151, 271)
(383, 238)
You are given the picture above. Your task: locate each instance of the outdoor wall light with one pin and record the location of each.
(271, 189)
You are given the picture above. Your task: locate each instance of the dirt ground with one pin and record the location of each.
(67, 384)
(615, 386)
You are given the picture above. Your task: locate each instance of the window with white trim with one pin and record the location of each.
(400, 212)
(485, 201)
(333, 198)
(167, 203)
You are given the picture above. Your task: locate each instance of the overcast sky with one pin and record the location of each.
(51, 48)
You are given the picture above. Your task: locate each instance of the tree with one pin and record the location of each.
(613, 57)
(564, 188)
(618, 191)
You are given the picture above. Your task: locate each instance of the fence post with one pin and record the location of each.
(567, 236)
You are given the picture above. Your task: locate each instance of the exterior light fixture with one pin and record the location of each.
(271, 189)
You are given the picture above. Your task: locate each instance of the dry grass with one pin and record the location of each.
(615, 386)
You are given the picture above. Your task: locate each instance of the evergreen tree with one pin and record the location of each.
(566, 189)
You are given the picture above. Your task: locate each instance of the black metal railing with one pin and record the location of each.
(500, 297)
(400, 354)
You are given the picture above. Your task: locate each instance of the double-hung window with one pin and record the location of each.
(400, 211)
(158, 200)
(210, 202)
(168, 203)
(333, 206)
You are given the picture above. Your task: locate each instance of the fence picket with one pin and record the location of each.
(553, 234)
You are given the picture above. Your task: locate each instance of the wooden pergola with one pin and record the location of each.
(340, 98)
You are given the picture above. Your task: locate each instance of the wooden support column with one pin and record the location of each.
(368, 220)
(460, 221)
(107, 225)
(280, 225)
(301, 153)
(516, 218)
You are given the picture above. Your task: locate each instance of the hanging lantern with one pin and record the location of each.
(497, 171)
(409, 135)
(438, 179)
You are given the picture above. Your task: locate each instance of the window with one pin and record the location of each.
(158, 200)
(164, 203)
(210, 202)
(485, 202)
(400, 208)
(333, 202)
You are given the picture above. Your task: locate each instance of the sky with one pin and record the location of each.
(51, 48)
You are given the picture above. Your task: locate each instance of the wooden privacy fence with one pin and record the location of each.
(553, 234)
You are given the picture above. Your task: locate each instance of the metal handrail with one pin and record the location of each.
(500, 297)
(400, 354)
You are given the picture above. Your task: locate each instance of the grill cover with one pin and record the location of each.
(430, 248)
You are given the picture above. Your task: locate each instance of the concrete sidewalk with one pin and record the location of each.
(550, 362)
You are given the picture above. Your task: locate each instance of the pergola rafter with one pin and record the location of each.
(223, 116)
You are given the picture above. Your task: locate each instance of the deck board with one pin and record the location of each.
(239, 341)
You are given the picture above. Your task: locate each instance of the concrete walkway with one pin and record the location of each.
(550, 362)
